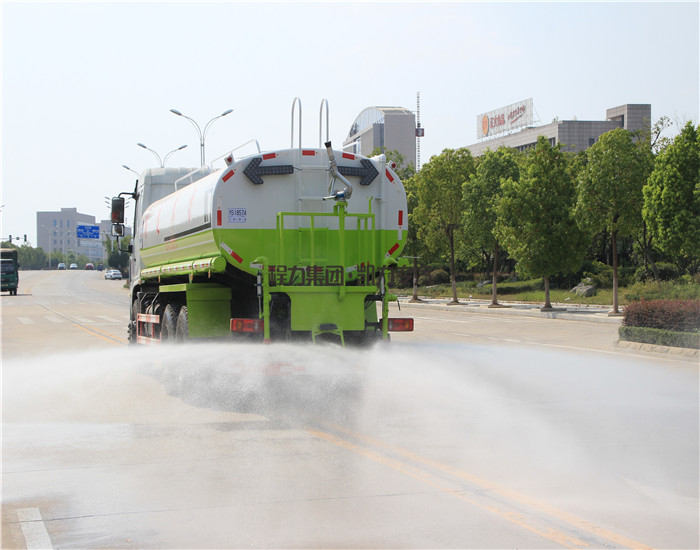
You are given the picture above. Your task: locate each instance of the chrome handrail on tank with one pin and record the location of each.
(294, 103)
(320, 123)
(228, 157)
(205, 169)
(209, 168)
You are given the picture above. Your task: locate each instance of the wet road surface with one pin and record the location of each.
(460, 443)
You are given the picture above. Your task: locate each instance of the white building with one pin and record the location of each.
(574, 135)
(390, 128)
(68, 230)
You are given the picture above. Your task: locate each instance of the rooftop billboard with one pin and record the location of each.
(505, 119)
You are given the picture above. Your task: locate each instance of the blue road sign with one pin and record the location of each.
(88, 231)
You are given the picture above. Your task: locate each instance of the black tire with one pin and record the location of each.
(133, 324)
(182, 331)
(168, 324)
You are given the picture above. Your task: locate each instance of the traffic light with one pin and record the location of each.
(10, 239)
(25, 237)
(117, 209)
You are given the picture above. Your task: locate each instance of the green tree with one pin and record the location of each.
(32, 258)
(480, 196)
(609, 192)
(535, 217)
(415, 248)
(438, 214)
(672, 197)
(403, 169)
(117, 255)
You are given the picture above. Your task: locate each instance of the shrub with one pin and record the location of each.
(600, 276)
(667, 271)
(439, 277)
(643, 274)
(517, 286)
(664, 290)
(660, 337)
(673, 315)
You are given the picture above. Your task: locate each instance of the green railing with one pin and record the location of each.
(364, 234)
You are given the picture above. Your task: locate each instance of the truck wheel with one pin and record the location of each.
(132, 331)
(182, 331)
(168, 323)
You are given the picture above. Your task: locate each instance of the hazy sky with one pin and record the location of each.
(83, 82)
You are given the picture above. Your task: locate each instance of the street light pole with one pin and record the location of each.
(165, 159)
(48, 231)
(202, 135)
(65, 239)
(130, 170)
(152, 151)
(161, 162)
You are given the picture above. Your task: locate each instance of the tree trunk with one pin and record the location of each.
(452, 269)
(547, 303)
(613, 238)
(415, 281)
(494, 280)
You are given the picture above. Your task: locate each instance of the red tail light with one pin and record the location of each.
(247, 325)
(401, 325)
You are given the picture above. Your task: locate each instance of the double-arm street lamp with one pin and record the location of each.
(130, 170)
(162, 162)
(202, 135)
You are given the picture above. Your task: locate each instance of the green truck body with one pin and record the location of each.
(274, 247)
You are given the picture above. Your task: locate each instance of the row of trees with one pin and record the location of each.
(37, 258)
(544, 208)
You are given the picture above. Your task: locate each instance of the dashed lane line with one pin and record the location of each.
(34, 530)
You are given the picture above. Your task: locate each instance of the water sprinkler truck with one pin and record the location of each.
(285, 245)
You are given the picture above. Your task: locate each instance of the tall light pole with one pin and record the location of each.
(48, 231)
(130, 170)
(162, 162)
(65, 240)
(202, 135)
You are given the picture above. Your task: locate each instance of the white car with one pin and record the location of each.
(113, 274)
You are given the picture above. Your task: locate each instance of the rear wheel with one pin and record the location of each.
(168, 325)
(182, 331)
(134, 324)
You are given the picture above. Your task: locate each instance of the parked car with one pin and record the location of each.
(73, 266)
(89, 266)
(113, 274)
(61, 266)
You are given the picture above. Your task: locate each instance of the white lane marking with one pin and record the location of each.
(25, 320)
(53, 319)
(35, 534)
(109, 319)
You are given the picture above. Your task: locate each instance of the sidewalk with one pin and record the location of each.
(571, 312)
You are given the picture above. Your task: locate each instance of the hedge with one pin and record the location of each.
(659, 337)
(670, 315)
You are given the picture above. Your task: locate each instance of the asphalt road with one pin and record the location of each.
(480, 430)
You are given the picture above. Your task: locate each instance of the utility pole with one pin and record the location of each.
(419, 132)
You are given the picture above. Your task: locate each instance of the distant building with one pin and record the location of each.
(390, 128)
(68, 230)
(574, 135)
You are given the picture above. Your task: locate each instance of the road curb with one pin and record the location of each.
(680, 353)
(569, 313)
